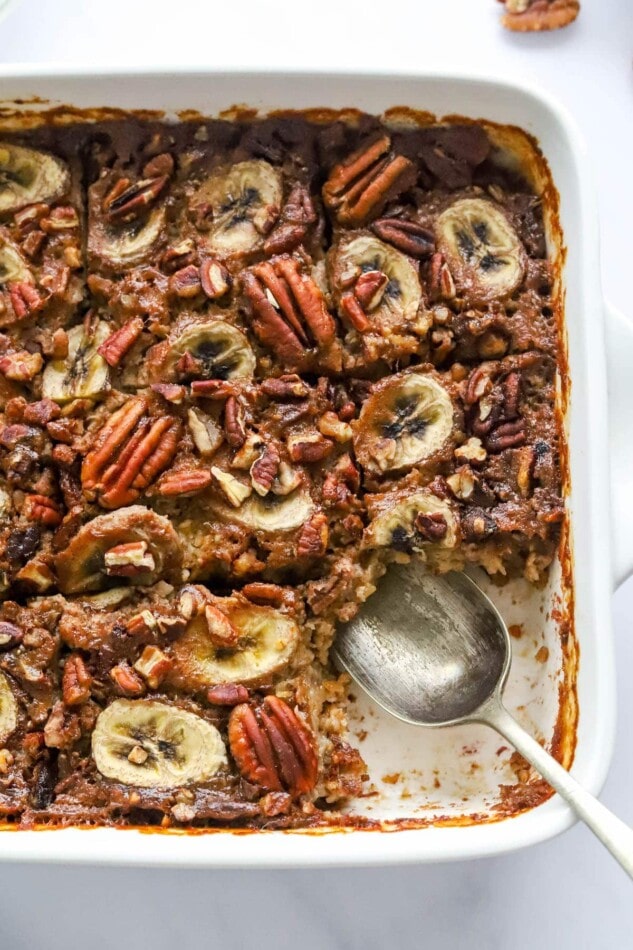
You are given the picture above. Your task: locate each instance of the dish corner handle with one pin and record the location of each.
(619, 339)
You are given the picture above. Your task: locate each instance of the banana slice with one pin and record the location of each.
(83, 374)
(81, 566)
(266, 644)
(123, 247)
(407, 418)
(402, 294)
(271, 513)
(8, 709)
(13, 267)
(409, 523)
(153, 745)
(482, 249)
(218, 351)
(28, 177)
(244, 202)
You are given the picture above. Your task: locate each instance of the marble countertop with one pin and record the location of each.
(563, 894)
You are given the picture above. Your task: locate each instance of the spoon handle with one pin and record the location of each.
(614, 834)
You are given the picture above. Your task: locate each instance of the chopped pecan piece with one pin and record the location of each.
(431, 525)
(61, 731)
(354, 313)
(10, 635)
(269, 595)
(369, 288)
(360, 187)
(308, 448)
(221, 631)
(129, 559)
(153, 665)
(130, 451)
(285, 387)
(297, 215)
(273, 748)
(116, 346)
(212, 388)
(21, 366)
(41, 412)
(127, 680)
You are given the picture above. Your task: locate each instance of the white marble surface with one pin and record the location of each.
(563, 894)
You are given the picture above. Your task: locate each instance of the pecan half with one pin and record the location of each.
(313, 537)
(272, 747)
(360, 187)
(43, 509)
(508, 435)
(24, 299)
(228, 694)
(76, 681)
(234, 423)
(406, 236)
(296, 217)
(215, 279)
(264, 469)
(125, 201)
(528, 16)
(285, 387)
(118, 343)
(289, 312)
(431, 525)
(186, 481)
(130, 451)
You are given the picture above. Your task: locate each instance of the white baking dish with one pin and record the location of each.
(464, 761)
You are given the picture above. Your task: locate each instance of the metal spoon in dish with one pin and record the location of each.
(434, 651)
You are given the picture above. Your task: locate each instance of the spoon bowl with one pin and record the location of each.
(439, 643)
(434, 651)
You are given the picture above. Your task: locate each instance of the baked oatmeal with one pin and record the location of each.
(243, 366)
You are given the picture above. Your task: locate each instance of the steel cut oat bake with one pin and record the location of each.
(243, 366)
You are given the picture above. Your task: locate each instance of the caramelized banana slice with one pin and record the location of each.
(264, 643)
(270, 513)
(411, 522)
(83, 373)
(241, 203)
(29, 177)
(8, 709)
(407, 419)
(13, 267)
(213, 350)
(134, 543)
(483, 251)
(400, 295)
(154, 745)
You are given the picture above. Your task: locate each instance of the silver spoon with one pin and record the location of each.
(434, 651)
